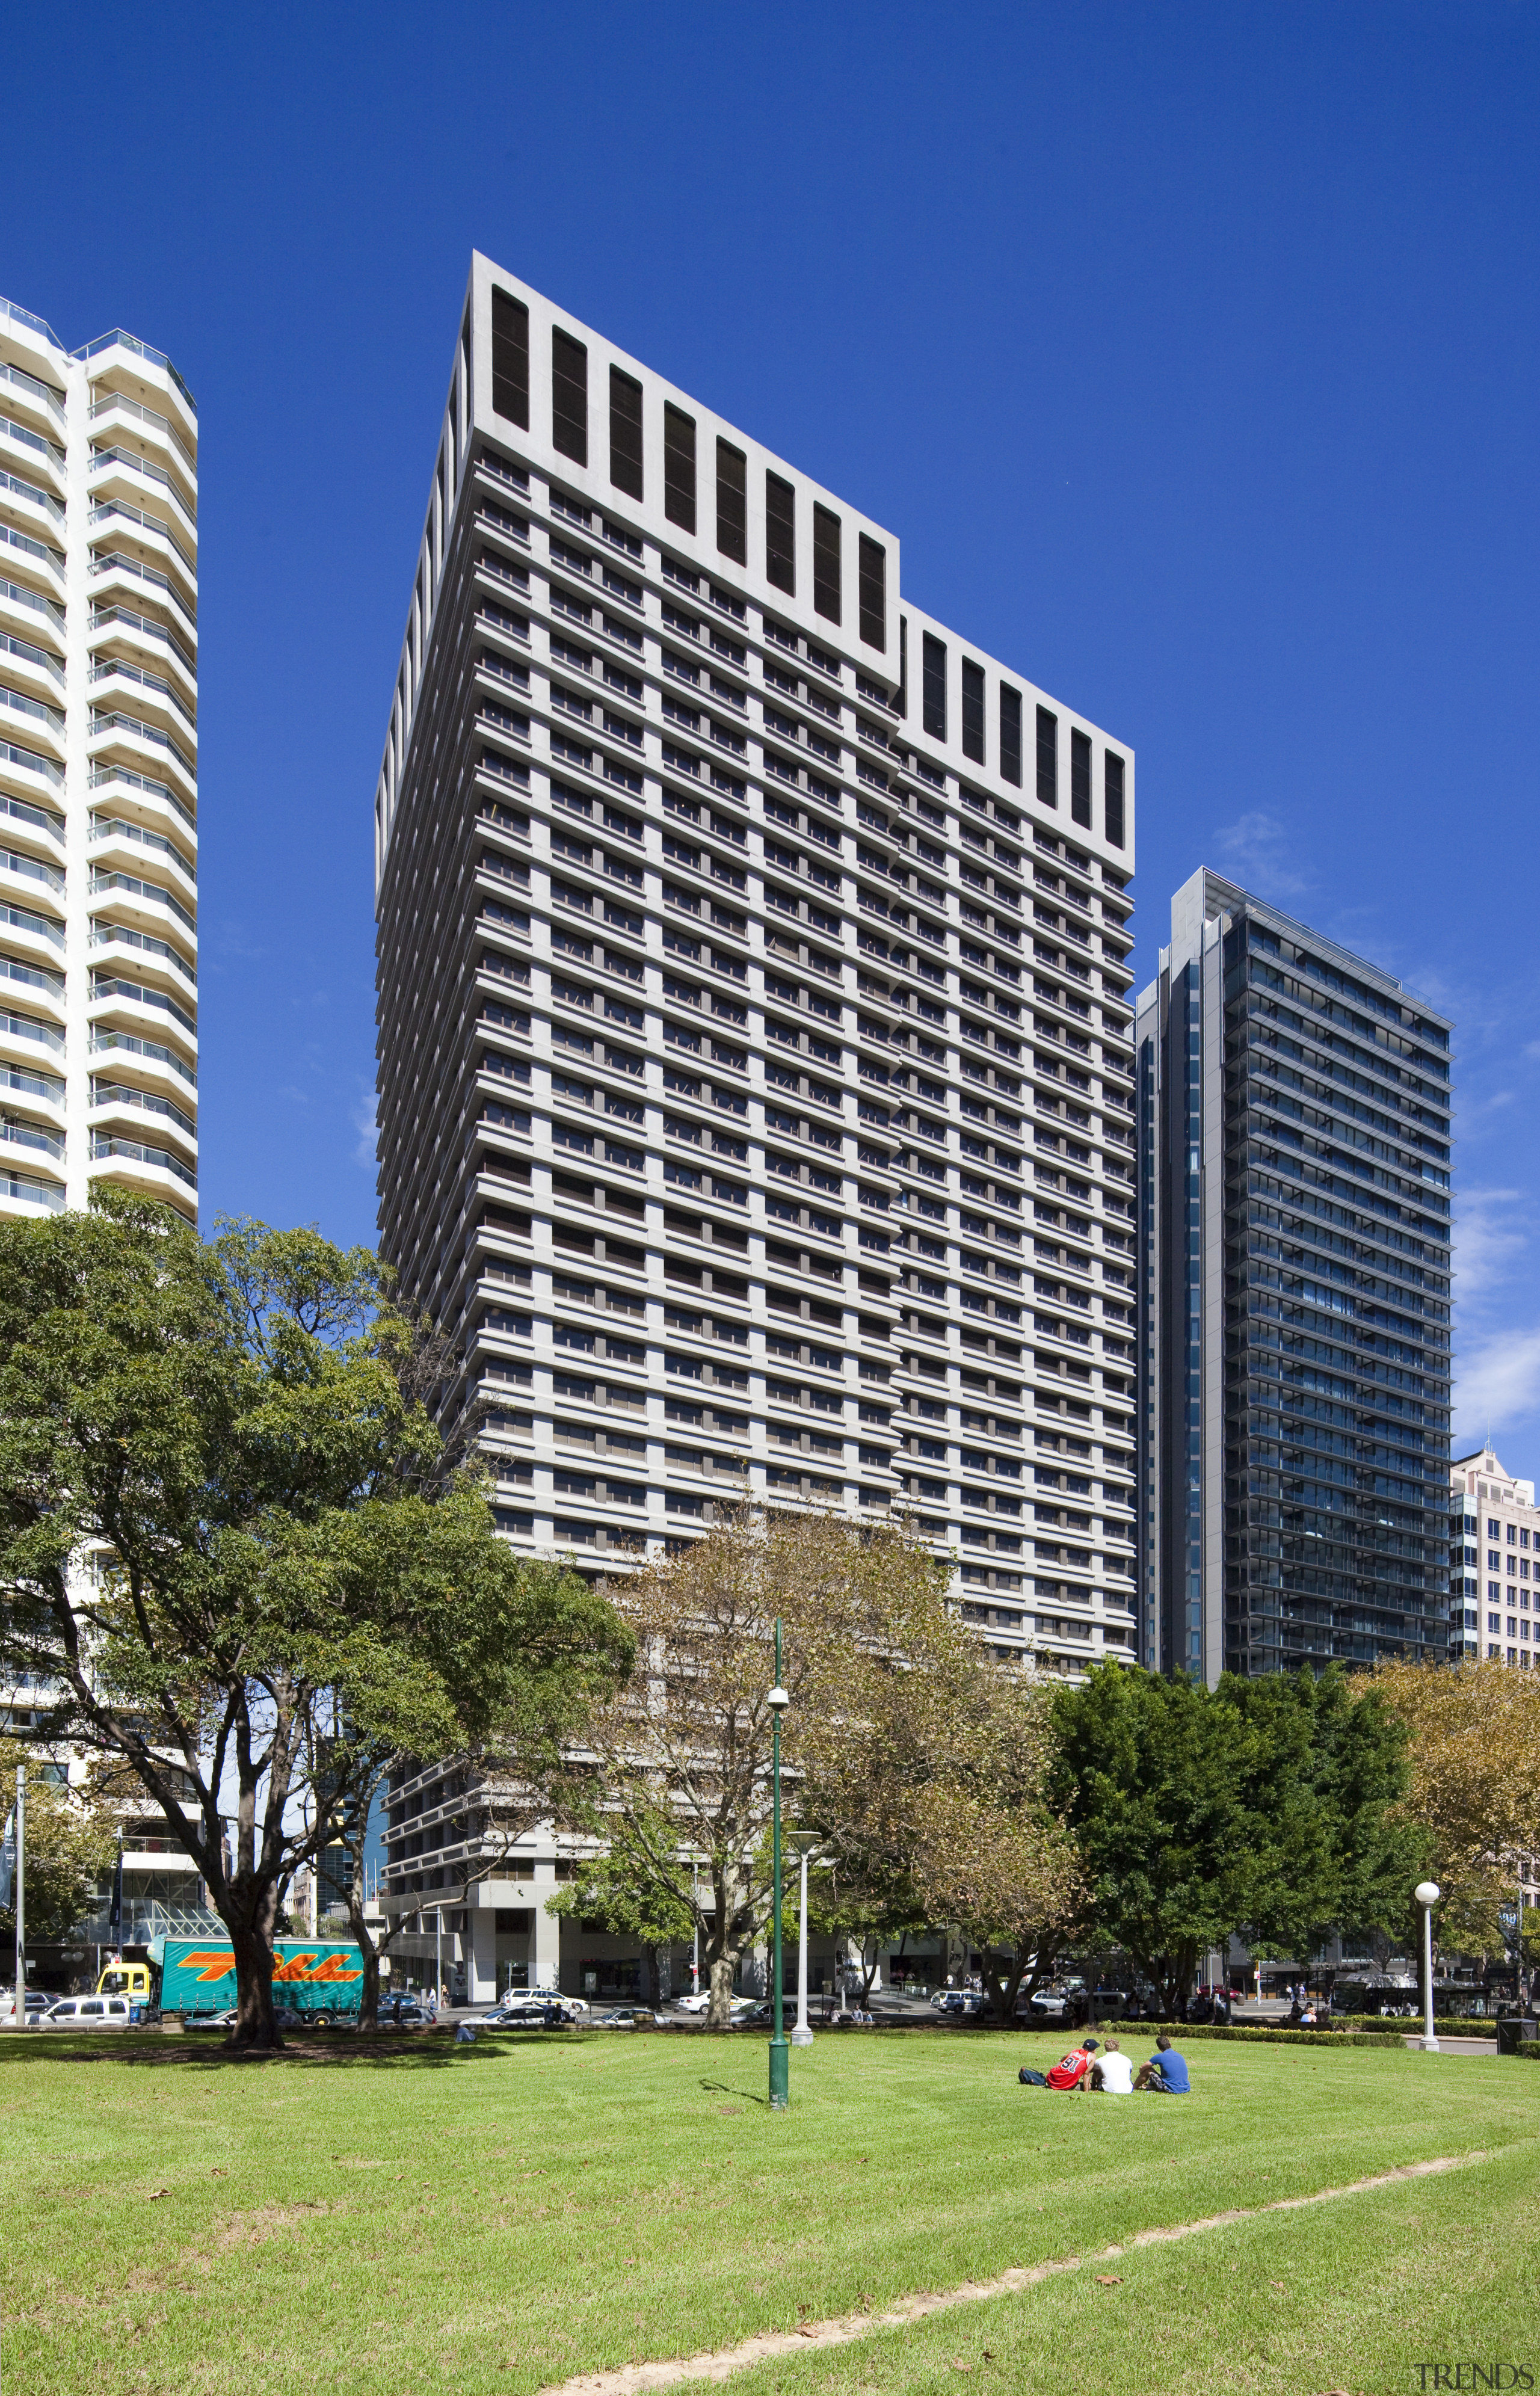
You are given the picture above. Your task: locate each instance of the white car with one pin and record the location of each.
(86, 2012)
(695, 2003)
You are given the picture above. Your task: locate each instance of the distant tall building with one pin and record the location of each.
(1294, 1299)
(98, 793)
(755, 1044)
(1494, 1563)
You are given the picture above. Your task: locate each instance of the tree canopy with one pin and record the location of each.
(1473, 1740)
(230, 1538)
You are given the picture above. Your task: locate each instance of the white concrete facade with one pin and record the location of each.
(98, 687)
(1494, 1563)
(754, 1048)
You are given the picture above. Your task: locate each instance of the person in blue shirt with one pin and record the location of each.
(1166, 2073)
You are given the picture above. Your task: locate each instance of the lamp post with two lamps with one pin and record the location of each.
(777, 1701)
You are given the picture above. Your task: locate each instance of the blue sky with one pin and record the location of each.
(1191, 352)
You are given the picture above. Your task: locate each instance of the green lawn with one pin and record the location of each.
(502, 2217)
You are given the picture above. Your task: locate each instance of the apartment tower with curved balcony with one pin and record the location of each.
(99, 794)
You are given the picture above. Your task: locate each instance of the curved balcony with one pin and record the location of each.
(126, 473)
(113, 568)
(157, 642)
(146, 899)
(114, 520)
(36, 510)
(28, 719)
(39, 672)
(106, 830)
(31, 453)
(41, 821)
(150, 690)
(33, 1138)
(161, 953)
(28, 985)
(152, 1171)
(111, 730)
(109, 1098)
(151, 1058)
(143, 792)
(149, 426)
(24, 390)
(25, 551)
(136, 1006)
(23, 1189)
(30, 611)
(156, 360)
(32, 1085)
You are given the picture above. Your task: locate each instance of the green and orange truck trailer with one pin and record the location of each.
(319, 1978)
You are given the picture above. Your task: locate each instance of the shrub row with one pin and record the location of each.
(1245, 2035)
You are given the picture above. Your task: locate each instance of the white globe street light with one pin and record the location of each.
(1428, 1894)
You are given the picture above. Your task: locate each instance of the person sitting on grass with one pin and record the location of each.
(1070, 2071)
(1114, 2073)
(1166, 2073)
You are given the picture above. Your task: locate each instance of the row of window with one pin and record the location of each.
(569, 434)
(973, 732)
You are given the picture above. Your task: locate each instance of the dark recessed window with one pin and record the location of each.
(826, 562)
(625, 432)
(1010, 733)
(973, 711)
(510, 357)
(874, 593)
(1112, 793)
(568, 396)
(679, 467)
(780, 532)
(1047, 758)
(1079, 777)
(903, 665)
(933, 694)
(731, 501)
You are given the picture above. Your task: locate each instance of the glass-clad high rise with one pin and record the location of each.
(1294, 1117)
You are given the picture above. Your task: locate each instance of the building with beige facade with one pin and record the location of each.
(1494, 1563)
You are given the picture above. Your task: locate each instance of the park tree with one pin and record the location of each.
(607, 1890)
(69, 1845)
(929, 1789)
(683, 1779)
(231, 1545)
(1473, 1747)
(1261, 1807)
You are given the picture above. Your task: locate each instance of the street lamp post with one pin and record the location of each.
(801, 2035)
(779, 2056)
(1428, 1894)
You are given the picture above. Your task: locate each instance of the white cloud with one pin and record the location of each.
(1498, 1382)
(1256, 849)
(363, 1121)
(1487, 1240)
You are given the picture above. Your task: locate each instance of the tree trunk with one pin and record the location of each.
(253, 1943)
(369, 2011)
(718, 2012)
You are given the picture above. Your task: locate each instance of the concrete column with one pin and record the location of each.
(481, 1965)
(545, 1947)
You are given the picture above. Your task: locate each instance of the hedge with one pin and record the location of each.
(1246, 2035)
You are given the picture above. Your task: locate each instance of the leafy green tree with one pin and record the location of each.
(69, 1845)
(1265, 1807)
(1154, 1777)
(231, 1543)
(644, 1906)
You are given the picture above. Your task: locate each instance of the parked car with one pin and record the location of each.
(532, 2013)
(629, 2017)
(695, 2003)
(284, 2018)
(958, 2002)
(84, 2013)
(402, 2012)
(37, 2001)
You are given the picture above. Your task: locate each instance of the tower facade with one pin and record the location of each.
(1293, 1237)
(754, 1048)
(99, 794)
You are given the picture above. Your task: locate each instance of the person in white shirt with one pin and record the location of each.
(1113, 2073)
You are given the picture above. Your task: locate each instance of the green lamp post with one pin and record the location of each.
(779, 2052)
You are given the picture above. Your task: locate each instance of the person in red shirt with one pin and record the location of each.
(1072, 2070)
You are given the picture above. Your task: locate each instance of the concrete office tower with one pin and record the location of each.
(1293, 1281)
(99, 795)
(754, 1051)
(1494, 1563)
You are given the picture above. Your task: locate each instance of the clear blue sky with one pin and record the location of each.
(1190, 349)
